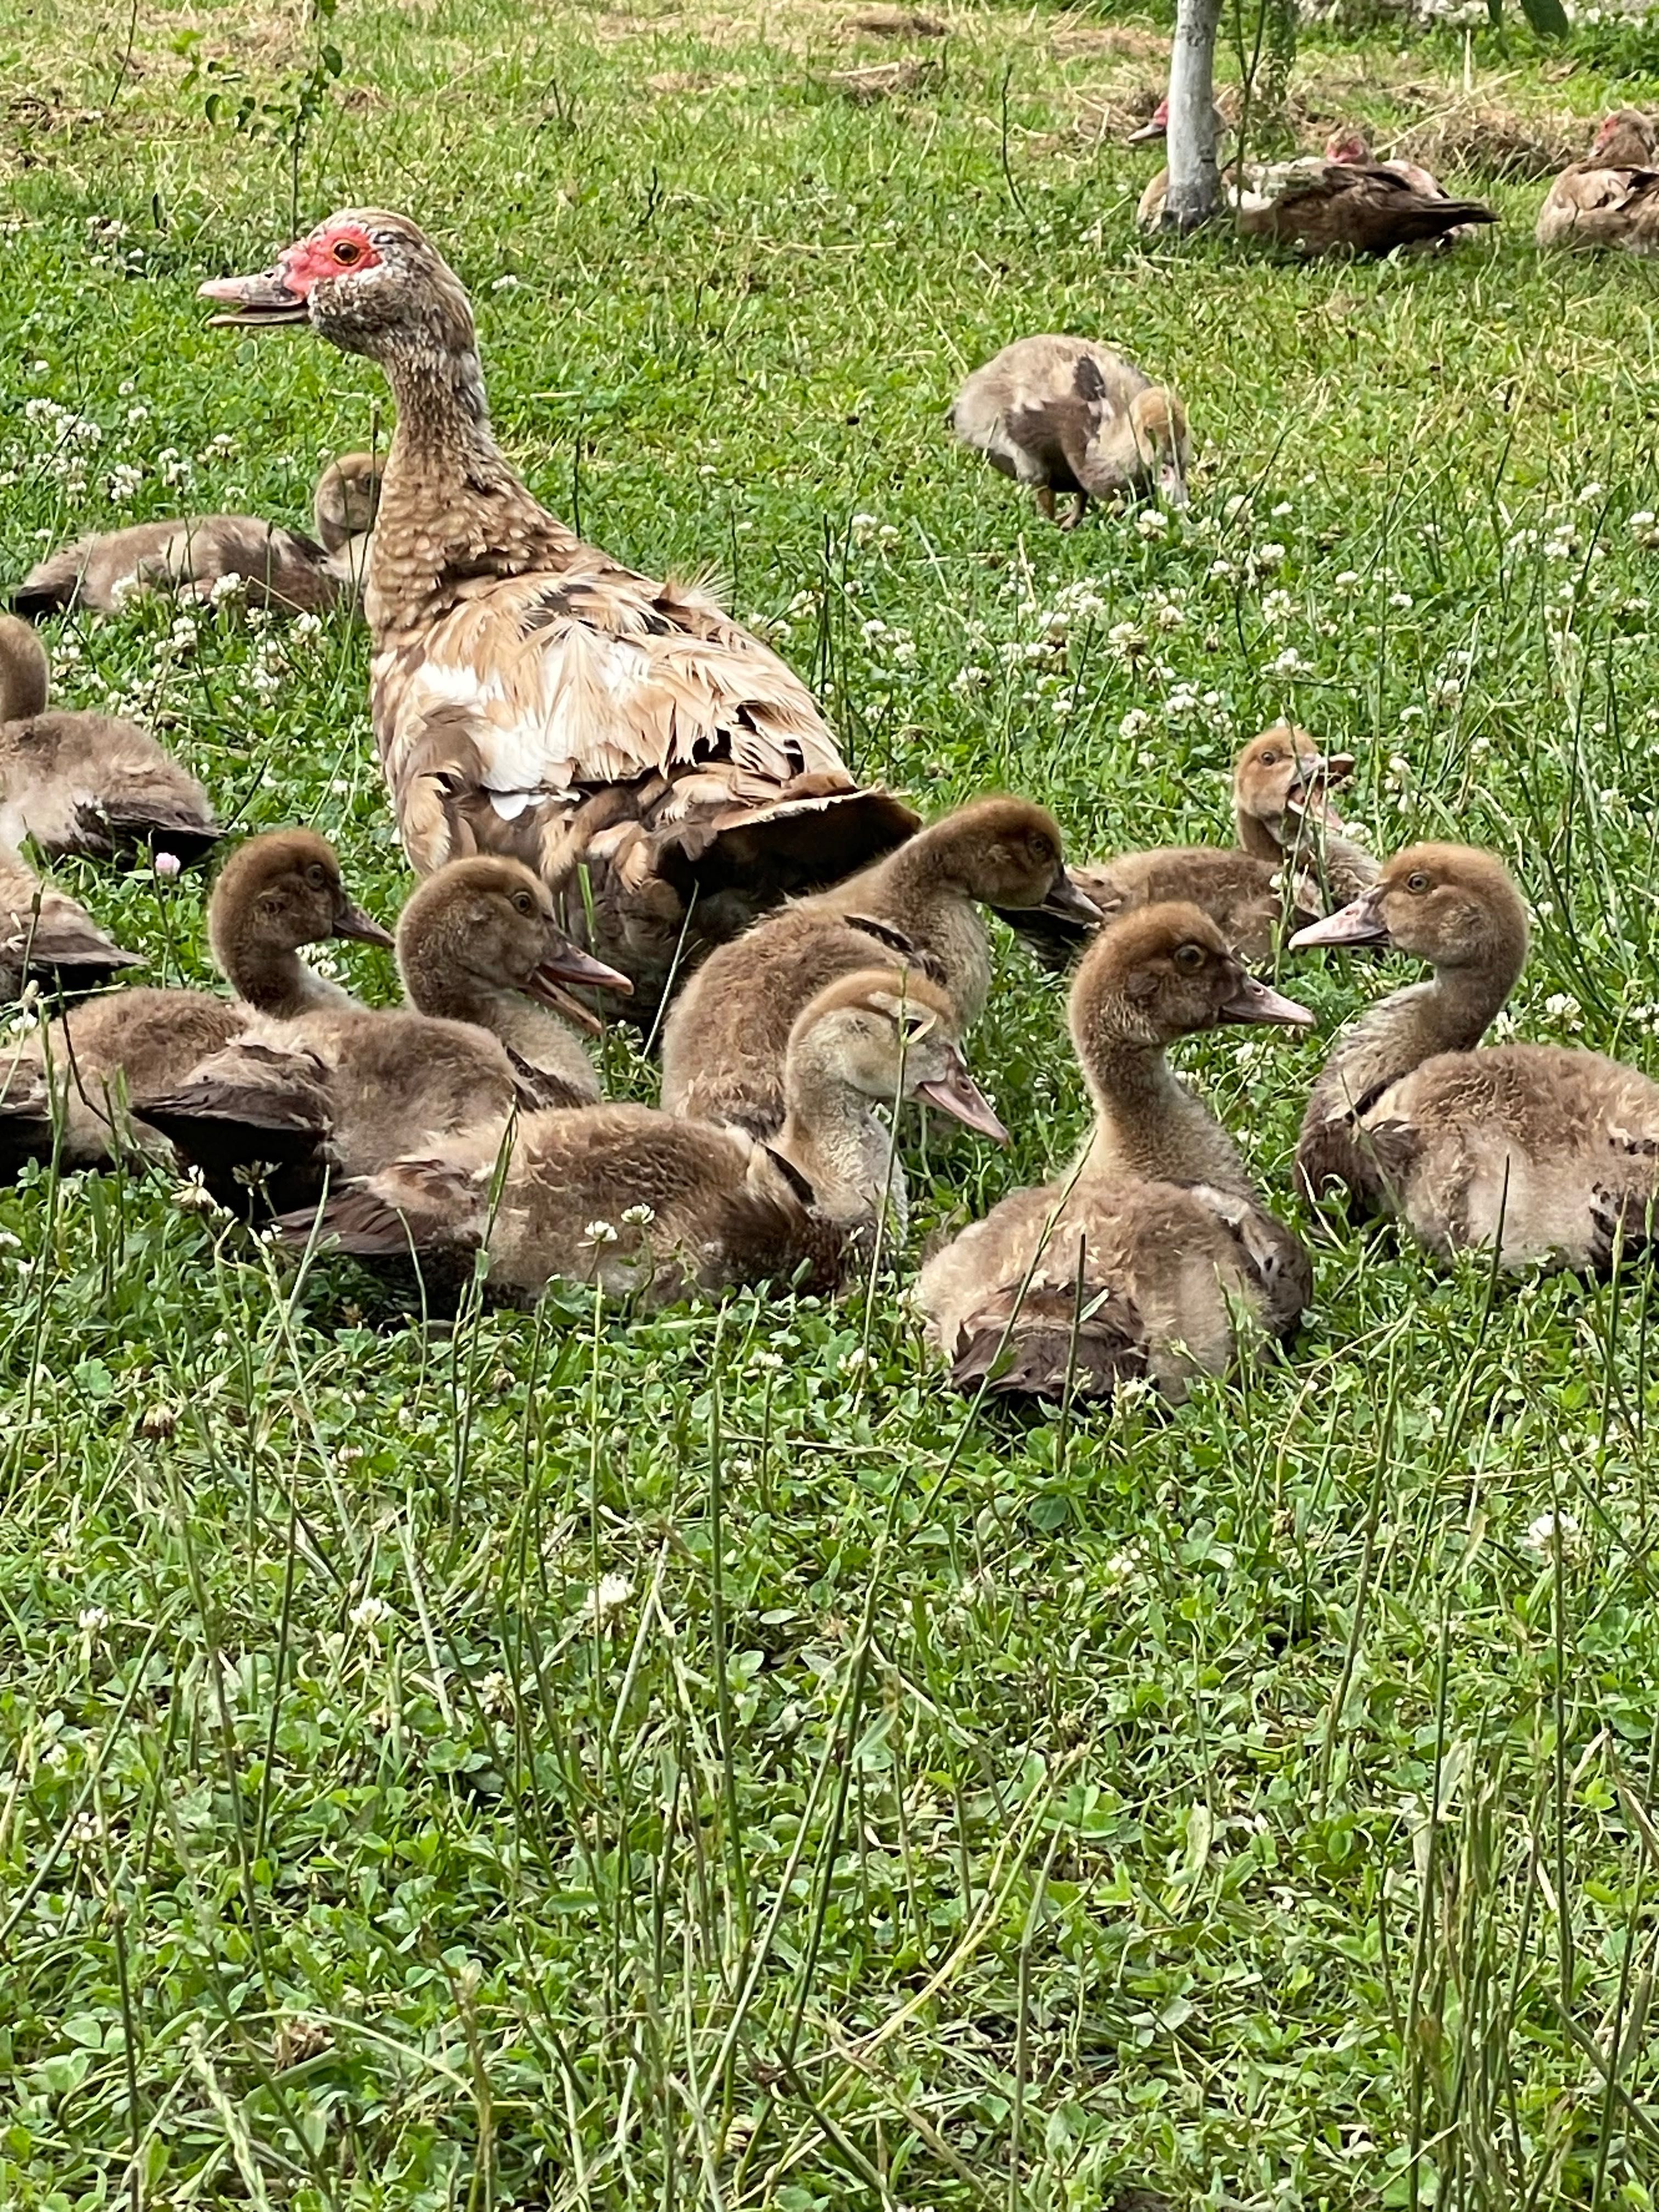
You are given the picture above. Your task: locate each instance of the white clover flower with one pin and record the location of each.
(771, 1362)
(1170, 617)
(87, 1831)
(307, 624)
(1221, 571)
(600, 1232)
(1644, 527)
(1182, 701)
(232, 586)
(1125, 642)
(1277, 606)
(608, 1596)
(369, 1612)
(91, 1619)
(1289, 663)
(969, 679)
(193, 1196)
(639, 1217)
(1589, 492)
(863, 528)
(508, 284)
(1548, 1530)
(123, 480)
(1153, 522)
(1269, 556)
(1237, 505)
(1401, 599)
(1282, 509)
(1562, 1006)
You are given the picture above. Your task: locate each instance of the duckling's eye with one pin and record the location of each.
(1270, 760)
(1417, 882)
(914, 1026)
(317, 875)
(1190, 956)
(525, 904)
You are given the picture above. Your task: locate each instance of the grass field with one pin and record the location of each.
(582, 1762)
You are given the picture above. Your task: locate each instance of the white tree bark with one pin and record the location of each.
(1195, 189)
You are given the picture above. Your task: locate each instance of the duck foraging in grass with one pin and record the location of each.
(532, 697)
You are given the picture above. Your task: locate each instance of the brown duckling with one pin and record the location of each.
(281, 569)
(1066, 414)
(345, 1089)
(101, 1061)
(78, 782)
(643, 1205)
(1611, 199)
(724, 1044)
(1134, 1262)
(1548, 1152)
(1287, 835)
(48, 937)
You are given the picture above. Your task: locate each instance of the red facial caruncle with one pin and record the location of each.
(333, 249)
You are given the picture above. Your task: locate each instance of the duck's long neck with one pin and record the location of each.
(1148, 1123)
(452, 506)
(832, 1135)
(273, 979)
(1451, 1013)
(534, 1032)
(1255, 837)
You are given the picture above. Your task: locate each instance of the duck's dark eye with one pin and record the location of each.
(1417, 882)
(347, 252)
(1190, 956)
(318, 874)
(525, 904)
(1270, 760)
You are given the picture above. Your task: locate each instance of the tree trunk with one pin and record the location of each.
(1194, 190)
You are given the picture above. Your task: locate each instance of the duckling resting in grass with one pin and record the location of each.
(346, 1088)
(1066, 415)
(97, 1065)
(78, 782)
(47, 937)
(724, 1045)
(1136, 1262)
(1549, 1153)
(280, 569)
(644, 1206)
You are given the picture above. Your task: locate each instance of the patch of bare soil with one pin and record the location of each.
(895, 23)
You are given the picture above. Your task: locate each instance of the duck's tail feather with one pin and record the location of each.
(1033, 1342)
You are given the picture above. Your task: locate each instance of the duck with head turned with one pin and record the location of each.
(280, 570)
(726, 1034)
(1546, 1153)
(531, 696)
(82, 782)
(94, 1068)
(1610, 200)
(648, 1207)
(1133, 1263)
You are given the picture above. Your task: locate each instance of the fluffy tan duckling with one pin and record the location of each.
(1134, 1262)
(1287, 835)
(46, 936)
(343, 1088)
(280, 569)
(1066, 415)
(1549, 1153)
(724, 1043)
(100, 1062)
(1610, 200)
(646, 1206)
(79, 782)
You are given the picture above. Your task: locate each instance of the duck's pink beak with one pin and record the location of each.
(253, 301)
(571, 965)
(1158, 127)
(1360, 923)
(959, 1095)
(1254, 1002)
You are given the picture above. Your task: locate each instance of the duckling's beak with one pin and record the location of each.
(1069, 903)
(1171, 484)
(1307, 795)
(1254, 1002)
(350, 921)
(956, 1093)
(570, 965)
(253, 301)
(1360, 923)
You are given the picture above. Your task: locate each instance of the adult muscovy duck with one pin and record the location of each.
(531, 696)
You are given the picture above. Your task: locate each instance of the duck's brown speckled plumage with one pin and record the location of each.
(532, 697)
(1549, 1153)
(1316, 206)
(1134, 1262)
(1610, 200)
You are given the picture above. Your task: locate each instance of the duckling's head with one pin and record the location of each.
(890, 1034)
(1628, 140)
(1165, 972)
(346, 498)
(488, 925)
(1003, 852)
(1159, 423)
(1451, 905)
(25, 679)
(1283, 772)
(280, 891)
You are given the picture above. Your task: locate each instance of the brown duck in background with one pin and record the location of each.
(1548, 1152)
(1134, 1262)
(529, 695)
(102, 1060)
(1318, 206)
(1610, 200)
(1065, 415)
(725, 1041)
(281, 569)
(49, 938)
(347, 1089)
(81, 782)
(647, 1206)
(1287, 835)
